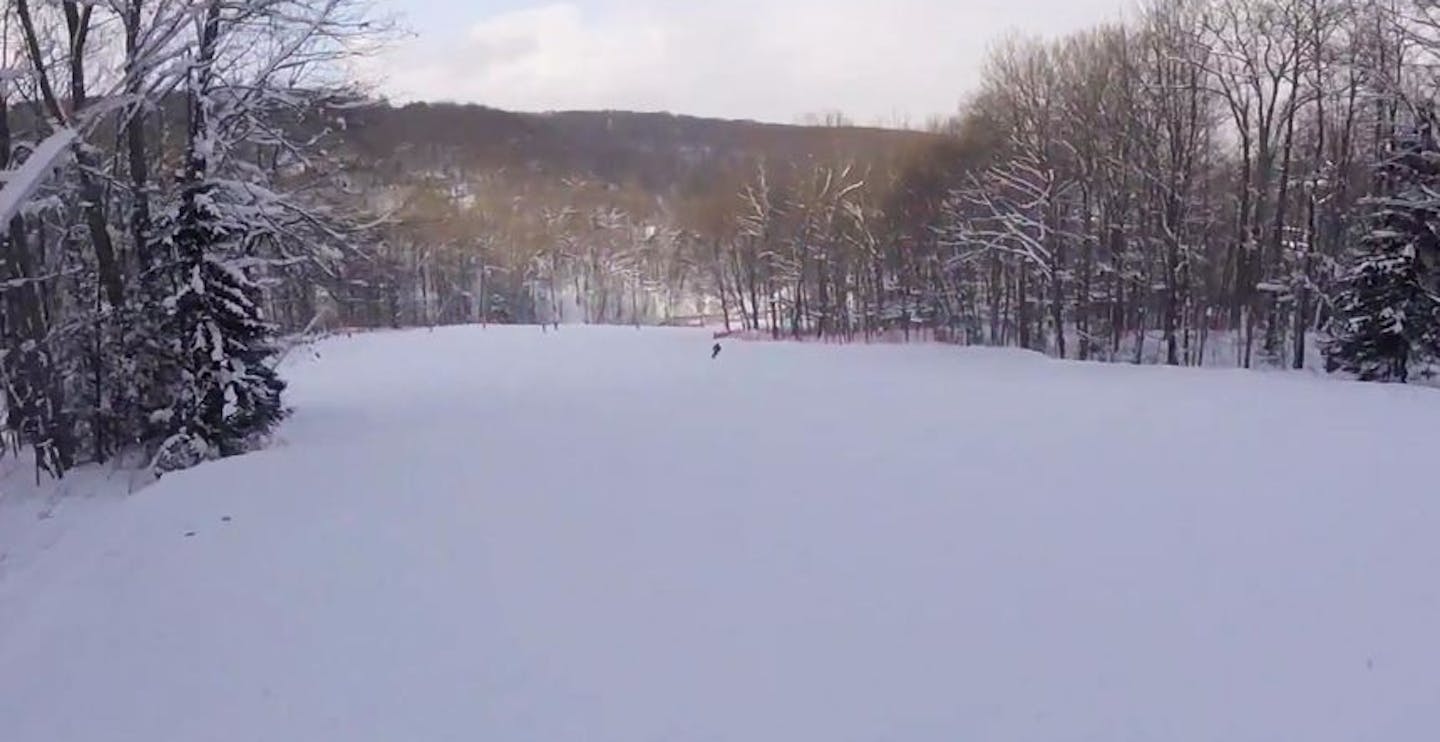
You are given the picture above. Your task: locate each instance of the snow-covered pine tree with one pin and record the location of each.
(1387, 307)
(226, 392)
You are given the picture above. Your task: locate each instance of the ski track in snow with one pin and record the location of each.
(604, 535)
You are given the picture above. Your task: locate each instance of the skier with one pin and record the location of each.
(715, 351)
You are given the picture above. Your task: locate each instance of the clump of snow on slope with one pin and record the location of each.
(604, 534)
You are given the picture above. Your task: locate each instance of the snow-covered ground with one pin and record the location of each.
(603, 535)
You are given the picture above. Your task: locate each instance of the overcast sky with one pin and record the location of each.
(771, 60)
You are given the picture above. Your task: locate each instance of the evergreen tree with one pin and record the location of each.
(1387, 307)
(225, 393)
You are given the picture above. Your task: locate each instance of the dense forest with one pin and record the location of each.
(1212, 180)
(1249, 180)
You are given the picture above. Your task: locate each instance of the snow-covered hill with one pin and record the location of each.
(604, 535)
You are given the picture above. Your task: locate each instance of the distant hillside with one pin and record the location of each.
(655, 151)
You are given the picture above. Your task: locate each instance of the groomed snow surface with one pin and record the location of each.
(603, 535)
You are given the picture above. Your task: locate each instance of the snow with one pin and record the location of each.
(603, 534)
(22, 183)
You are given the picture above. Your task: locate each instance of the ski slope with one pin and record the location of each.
(602, 535)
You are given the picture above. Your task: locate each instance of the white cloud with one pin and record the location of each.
(772, 60)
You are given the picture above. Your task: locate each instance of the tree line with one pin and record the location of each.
(1210, 182)
(1215, 177)
(193, 187)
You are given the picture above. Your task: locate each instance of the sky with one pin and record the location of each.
(878, 61)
